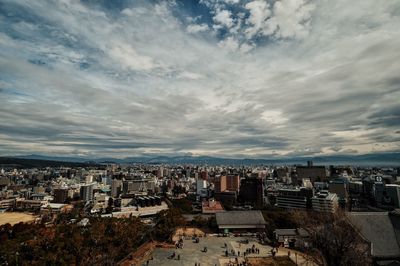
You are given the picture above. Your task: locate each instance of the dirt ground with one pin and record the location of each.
(140, 255)
(277, 261)
(16, 217)
(187, 232)
(143, 253)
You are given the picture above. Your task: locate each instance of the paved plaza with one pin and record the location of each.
(192, 253)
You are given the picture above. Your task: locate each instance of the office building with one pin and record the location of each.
(252, 191)
(116, 188)
(87, 192)
(60, 195)
(89, 179)
(201, 188)
(232, 182)
(325, 202)
(340, 187)
(294, 198)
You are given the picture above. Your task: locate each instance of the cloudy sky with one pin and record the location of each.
(229, 78)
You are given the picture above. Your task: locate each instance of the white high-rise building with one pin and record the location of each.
(89, 179)
(325, 202)
(201, 187)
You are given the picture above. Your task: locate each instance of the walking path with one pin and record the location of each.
(296, 256)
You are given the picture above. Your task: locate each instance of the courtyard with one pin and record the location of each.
(193, 253)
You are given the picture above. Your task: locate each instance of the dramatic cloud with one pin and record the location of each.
(227, 78)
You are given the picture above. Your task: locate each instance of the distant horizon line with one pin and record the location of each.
(169, 155)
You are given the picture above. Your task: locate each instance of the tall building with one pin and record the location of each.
(325, 202)
(201, 188)
(88, 179)
(160, 172)
(252, 191)
(116, 188)
(227, 182)
(220, 184)
(60, 195)
(87, 192)
(340, 187)
(232, 182)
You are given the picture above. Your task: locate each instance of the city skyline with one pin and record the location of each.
(229, 78)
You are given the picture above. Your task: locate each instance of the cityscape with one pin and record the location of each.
(200, 132)
(261, 212)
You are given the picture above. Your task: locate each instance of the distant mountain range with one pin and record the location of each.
(15, 162)
(376, 159)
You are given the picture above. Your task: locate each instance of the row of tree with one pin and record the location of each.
(103, 241)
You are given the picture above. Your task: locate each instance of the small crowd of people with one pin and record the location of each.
(232, 252)
(237, 263)
(252, 250)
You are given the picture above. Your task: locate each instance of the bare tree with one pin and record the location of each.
(335, 239)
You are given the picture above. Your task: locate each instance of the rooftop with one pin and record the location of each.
(211, 206)
(378, 229)
(240, 218)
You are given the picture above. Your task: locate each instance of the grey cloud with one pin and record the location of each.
(175, 92)
(350, 151)
(336, 148)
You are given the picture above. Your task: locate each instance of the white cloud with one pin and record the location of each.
(195, 28)
(189, 75)
(259, 12)
(230, 44)
(245, 47)
(232, 2)
(223, 17)
(285, 19)
(127, 56)
(291, 18)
